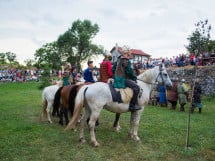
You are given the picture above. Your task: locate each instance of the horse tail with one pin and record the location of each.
(56, 103)
(44, 106)
(72, 96)
(79, 103)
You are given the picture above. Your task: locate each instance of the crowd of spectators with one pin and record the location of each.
(18, 75)
(179, 61)
(21, 75)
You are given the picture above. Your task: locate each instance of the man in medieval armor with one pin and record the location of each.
(125, 77)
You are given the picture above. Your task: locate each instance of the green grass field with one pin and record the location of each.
(23, 137)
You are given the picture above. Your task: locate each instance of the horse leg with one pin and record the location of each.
(93, 118)
(83, 120)
(130, 132)
(65, 112)
(58, 113)
(61, 116)
(116, 125)
(48, 110)
(54, 113)
(135, 119)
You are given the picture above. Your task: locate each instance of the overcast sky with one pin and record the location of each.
(158, 27)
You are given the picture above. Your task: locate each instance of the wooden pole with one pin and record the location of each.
(188, 120)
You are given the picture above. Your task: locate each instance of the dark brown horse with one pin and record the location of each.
(65, 100)
(62, 103)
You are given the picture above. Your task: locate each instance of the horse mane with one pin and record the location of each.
(147, 75)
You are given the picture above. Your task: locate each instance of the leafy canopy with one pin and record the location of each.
(76, 43)
(200, 38)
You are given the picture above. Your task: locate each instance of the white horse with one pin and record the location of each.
(97, 96)
(48, 96)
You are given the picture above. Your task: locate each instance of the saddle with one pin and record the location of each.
(121, 95)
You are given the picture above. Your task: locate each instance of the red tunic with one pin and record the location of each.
(105, 71)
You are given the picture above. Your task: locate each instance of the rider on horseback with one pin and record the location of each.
(106, 69)
(125, 77)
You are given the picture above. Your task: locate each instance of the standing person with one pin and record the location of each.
(172, 95)
(88, 73)
(66, 74)
(125, 77)
(196, 100)
(154, 96)
(162, 100)
(106, 69)
(182, 95)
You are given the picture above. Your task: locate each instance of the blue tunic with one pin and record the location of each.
(88, 75)
(162, 91)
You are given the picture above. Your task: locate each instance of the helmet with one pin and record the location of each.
(108, 55)
(125, 49)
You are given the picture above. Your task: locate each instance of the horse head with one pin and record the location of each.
(163, 77)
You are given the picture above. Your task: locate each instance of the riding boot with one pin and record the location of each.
(136, 89)
(133, 106)
(200, 110)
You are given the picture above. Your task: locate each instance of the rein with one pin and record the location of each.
(147, 82)
(155, 79)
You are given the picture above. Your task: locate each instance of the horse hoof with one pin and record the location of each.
(82, 140)
(50, 122)
(117, 129)
(130, 135)
(95, 144)
(134, 137)
(137, 140)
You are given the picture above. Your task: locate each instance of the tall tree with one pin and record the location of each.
(211, 46)
(76, 43)
(199, 39)
(29, 62)
(2, 58)
(48, 54)
(11, 57)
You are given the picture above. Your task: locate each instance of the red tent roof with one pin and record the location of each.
(138, 52)
(133, 51)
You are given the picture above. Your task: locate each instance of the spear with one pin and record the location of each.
(189, 111)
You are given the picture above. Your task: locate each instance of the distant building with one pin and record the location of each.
(138, 56)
